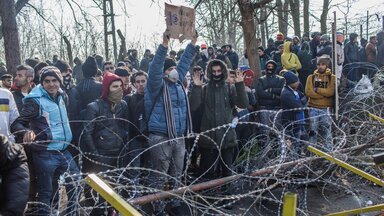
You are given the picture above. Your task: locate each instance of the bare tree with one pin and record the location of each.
(11, 35)
(282, 13)
(295, 13)
(323, 17)
(306, 15)
(247, 11)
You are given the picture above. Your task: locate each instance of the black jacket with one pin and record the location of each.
(351, 53)
(234, 58)
(14, 178)
(269, 90)
(18, 96)
(105, 133)
(135, 106)
(88, 90)
(289, 102)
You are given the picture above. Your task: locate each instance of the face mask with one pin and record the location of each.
(218, 77)
(270, 71)
(173, 76)
(67, 80)
(115, 96)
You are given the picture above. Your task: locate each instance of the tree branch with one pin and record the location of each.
(18, 6)
(260, 4)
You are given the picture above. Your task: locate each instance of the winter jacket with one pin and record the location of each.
(154, 87)
(351, 52)
(105, 133)
(47, 117)
(305, 57)
(276, 56)
(135, 112)
(144, 64)
(290, 101)
(14, 178)
(320, 89)
(88, 90)
(18, 96)
(269, 90)
(289, 60)
(234, 58)
(8, 112)
(218, 101)
(371, 52)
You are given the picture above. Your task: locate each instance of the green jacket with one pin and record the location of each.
(218, 101)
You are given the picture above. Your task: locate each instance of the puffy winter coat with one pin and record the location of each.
(14, 178)
(154, 87)
(290, 101)
(47, 117)
(105, 133)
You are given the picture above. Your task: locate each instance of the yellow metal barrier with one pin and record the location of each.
(290, 203)
(376, 117)
(358, 211)
(111, 196)
(347, 166)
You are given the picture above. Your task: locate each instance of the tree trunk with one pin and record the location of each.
(323, 18)
(295, 13)
(262, 27)
(11, 35)
(279, 4)
(306, 15)
(18, 6)
(250, 42)
(285, 18)
(123, 46)
(69, 51)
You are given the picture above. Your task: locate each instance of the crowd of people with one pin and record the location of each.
(59, 122)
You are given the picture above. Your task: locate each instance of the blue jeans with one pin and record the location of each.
(167, 158)
(320, 127)
(54, 163)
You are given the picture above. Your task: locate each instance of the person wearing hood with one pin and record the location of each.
(44, 124)
(314, 43)
(289, 60)
(320, 90)
(268, 91)
(105, 130)
(296, 44)
(218, 99)
(305, 57)
(167, 109)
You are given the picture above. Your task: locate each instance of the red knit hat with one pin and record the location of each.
(108, 79)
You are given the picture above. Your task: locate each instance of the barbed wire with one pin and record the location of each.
(262, 171)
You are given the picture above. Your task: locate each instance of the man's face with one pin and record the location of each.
(51, 85)
(216, 70)
(168, 71)
(125, 82)
(21, 78)
(65, 73)
(140, 83)
(7, 82)
(373, 40)
(261, 52)
(227, 48)
(115, 86)
(321, 67)
(109, 68)
(295, 41)
(295, 85)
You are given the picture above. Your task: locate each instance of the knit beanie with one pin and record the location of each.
(324, 59)
(122, 72)
(290, 77)
(89, 67)
(63, 65)
(169, 63)
(51, 71)
(108, 78)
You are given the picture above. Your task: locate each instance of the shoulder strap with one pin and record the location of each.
(153, 105)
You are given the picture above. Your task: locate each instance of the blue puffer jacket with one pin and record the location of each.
(157, 121)
(47, 118)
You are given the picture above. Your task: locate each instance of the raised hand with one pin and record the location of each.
(197, 78)
(166, 38)
(239, 76)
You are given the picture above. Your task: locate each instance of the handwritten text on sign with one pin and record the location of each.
(180, 21)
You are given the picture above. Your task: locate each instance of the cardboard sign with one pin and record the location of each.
(180, 21)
